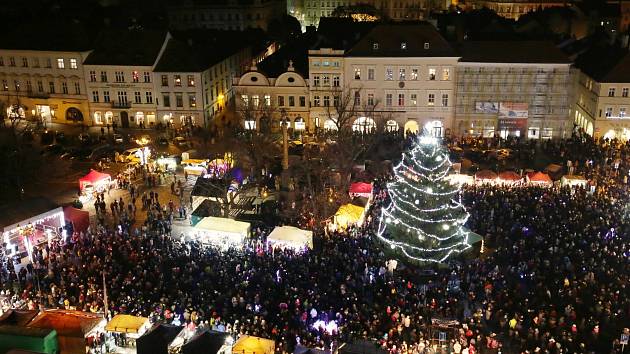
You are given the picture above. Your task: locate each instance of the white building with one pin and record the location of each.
(194, 82)
(513, 88)
(400, 75)
(42, 79)
(119, 77)
(602, 98)
(282, 97)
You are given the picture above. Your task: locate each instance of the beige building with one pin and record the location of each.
(514, 9)
(313, 10)
(264, 102)
(224, 14)
(119, 78)
(602, 99)
(193, 82)
(513, 88)
(42, 78)
(398, 75)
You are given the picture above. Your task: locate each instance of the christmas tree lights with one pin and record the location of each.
(424, 221)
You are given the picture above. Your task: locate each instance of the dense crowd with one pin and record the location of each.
(552, 279)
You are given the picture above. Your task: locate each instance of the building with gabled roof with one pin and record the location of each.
(119, 77)
(513, 88)
(602, 101)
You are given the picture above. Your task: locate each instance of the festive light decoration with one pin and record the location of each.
(425, 225)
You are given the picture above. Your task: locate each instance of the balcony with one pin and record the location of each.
(124, 104)
(37, 95)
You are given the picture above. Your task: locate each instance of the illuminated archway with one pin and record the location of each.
(299, 123)
(411, 127)
(611, 134)
(364, 125)
(391, 126)
(435, 128)
(330, 125)
(589, 129)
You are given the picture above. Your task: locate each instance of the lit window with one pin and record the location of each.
(389, 74)
(191, 80)
(431, 99)
(414, 74)
(60, 63)
(178, 80)
(245, 100)
(432, 74)
(135, 76)
(403, 45)
(375, 45)
(414, 99)
(73, 64)
(357, 73)
(624, 92)
(192, 100)
(401, 74)
(267, 99)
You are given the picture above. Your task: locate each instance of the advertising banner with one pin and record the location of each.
(487, 107)
(513, 110)
(513, 117)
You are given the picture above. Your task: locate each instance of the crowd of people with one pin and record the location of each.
(552, 279)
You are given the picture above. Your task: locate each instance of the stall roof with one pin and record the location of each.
(207, 342)
(510, 176)
(17, 317)
(157, 339)
(79, 218)
(26, 211)
(92, 177)
(250, 345)
(126, 324)
(223, 225)
(67, 323)
(485, 175)
(539, 177)
(291, 236)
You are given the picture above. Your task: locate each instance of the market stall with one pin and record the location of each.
(539, 178)
(573, 181)
(76, 220)
(157, 339)
(195, 167)
(132, 326)
(94, 182)
(348, 215)
(31, 222)
(290, 237)
(360, 189)
(208, 342)
(221, 231)
(485, 176)
(74, 328)
(36, 340)
(509, 177)
(253, 345)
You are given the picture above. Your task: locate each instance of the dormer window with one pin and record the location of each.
(375, 46)
(403, 45)
(426, 45)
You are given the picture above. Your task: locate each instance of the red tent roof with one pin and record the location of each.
(360, 187)
(539, 177)
(485, 174)
(93, 177)
(510, 176)
(80, 219)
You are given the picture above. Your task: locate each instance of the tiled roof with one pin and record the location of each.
(533, 52)
(405, 39)
(127, 47)
(605, 64)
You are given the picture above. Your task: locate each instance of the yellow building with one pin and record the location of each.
(41, 74)
(514, 9)
(602, 93)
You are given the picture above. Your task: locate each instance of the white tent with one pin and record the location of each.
(289, 236)
(223, 231)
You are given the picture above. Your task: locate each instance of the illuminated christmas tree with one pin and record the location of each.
(424, 221)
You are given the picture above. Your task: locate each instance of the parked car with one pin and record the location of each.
(118, 139)
(52, 149)
(162, 141)
(180, 142)
(85, 138)
(129, 155)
